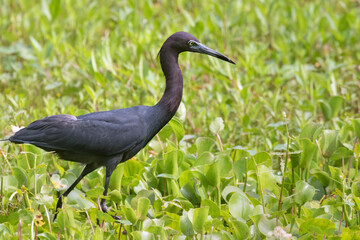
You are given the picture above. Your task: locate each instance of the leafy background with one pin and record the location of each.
(266, 149)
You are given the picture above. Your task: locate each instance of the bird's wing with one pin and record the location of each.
(83, 135)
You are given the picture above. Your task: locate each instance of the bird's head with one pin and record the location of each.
(185, 42)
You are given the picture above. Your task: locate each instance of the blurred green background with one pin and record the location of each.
(297, 62)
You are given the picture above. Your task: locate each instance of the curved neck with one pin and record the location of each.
(171, 99)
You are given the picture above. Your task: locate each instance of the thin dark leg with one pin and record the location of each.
(109, 171)
(88, 168)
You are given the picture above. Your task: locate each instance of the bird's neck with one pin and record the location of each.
(171, 99)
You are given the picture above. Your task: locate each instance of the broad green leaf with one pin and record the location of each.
(199, 218)
(204, 158)
(337, 175)
(335, 102)
(171, 162)
(341, 152)
(326, 110)
(357, 150)
(214, 209)
(356, 126)
(241, 230)
(142, 208)
(20, 176)
(186, 226)
(304, 192)
(266, 178)
(189, 192)
(129, 214)
(318, 226)
(143, 235)
(177, 127)
(204, 144)
(308, 152)
(115, 196)
(240, 206)
(351, 233)
(116, 177)
(311, 131)
(213, 174)
(355, 188)
(330, 142)
(323, 177)
(263, 158)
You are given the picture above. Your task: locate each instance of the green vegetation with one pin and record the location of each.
(267, 147)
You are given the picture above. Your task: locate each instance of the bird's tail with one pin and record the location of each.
(6, 139)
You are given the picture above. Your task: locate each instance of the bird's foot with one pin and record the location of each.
(105, 209)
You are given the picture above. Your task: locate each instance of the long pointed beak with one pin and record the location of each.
(201, 48)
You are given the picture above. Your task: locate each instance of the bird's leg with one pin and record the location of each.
(88, 168)
(109, 171)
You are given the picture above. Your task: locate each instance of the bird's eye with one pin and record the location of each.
(191, 43)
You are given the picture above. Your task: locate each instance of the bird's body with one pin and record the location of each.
(110, 137)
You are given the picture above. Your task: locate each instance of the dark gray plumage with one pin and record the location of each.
(111, 137)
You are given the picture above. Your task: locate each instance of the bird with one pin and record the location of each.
(107, 138)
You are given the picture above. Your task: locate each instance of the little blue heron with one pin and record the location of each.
(108, 138)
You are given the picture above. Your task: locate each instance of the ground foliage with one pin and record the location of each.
(264, 149)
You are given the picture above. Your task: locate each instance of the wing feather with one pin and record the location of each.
(103, 134)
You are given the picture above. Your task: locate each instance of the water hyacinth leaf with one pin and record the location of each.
(311, 131)
(266, 178)
(355, 188)
(225, 165)
(326, 110)
(337, 175)
(102, 216)
(240, 168)
(263, 158)
(335, 103)
(241, 230)
(66, 218)
(217, 125)
(304, 192)
(142, 208)
(116, 177)
(54, 8)
(130, 214)
(171, 162)
(165, 132)
(204, 158)
(351, 233)
(204, 144)
(240, 206)
(199, 218)
(226, 193)
(20, 176)
(143, 235)
(213, 174)
(341, 152)
(357, 150)
(115, 196)
(318, 226)
(309, 150)
(186, 226)
(177, 127)
(214, 209)
(95, 192)
(330, 141)
(189, 193)
(322, 176)
(356, 126)
(264, 224)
